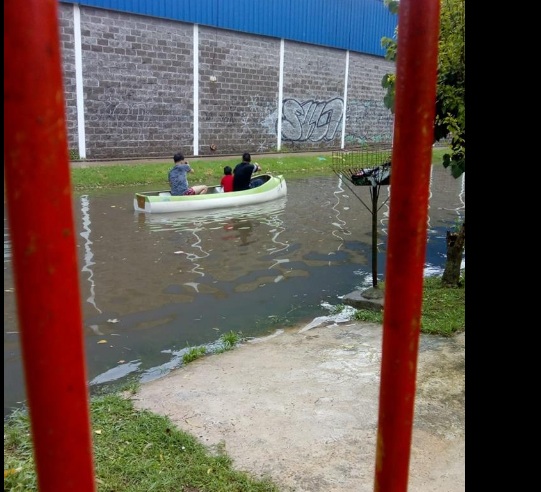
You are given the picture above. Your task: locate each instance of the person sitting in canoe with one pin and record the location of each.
(227, 179)
(242, 174)
(178, 179)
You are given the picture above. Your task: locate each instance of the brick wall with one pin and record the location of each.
(138, 88)
(236, 110)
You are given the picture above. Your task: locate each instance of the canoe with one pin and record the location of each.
(218, 218)
(157, 202)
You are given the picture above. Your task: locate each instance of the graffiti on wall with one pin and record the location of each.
(311, 120)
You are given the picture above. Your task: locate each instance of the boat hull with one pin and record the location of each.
(157, 202)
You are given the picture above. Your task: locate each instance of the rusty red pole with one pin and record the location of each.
(416, 68)
(39, 203)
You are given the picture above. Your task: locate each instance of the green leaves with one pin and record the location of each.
(450, 118)
(388, 82)
(457, 163)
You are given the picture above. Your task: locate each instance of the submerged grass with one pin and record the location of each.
(227, 341)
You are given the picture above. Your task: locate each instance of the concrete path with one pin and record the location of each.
(301, 407)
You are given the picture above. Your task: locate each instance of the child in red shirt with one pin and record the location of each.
(227, 180)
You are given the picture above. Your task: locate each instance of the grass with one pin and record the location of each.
(137, 451)
(443, 310)
(134, 451)
(228, 341)
(193, 354)
(206, 170)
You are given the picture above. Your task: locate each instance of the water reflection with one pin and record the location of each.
(339, 224)
(446, 209)
(221, 246)
(241, 229)
(154, 285)
(233, 225)
(89, 255)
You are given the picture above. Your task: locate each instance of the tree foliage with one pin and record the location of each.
(450, 114)
(450, 118)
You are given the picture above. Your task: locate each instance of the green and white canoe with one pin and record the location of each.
(158, 202)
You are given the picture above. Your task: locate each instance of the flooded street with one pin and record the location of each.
(154, 285)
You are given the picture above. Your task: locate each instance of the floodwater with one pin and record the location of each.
(152, 286)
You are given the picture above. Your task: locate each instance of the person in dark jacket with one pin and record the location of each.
(242, 174)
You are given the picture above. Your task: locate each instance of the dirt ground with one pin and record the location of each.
(301, 408)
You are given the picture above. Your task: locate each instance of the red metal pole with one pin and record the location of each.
(416, 68)
(39, 203)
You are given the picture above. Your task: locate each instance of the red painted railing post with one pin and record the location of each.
(416, 69)
(42, 230)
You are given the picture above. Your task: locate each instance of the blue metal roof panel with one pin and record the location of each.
(357, 25)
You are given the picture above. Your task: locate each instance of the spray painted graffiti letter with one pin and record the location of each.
(311, 120)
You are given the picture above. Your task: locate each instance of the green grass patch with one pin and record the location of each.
(206, 170)
(19, 466)
(368, 316)
(443, 310)
(134, 451)
(230, 339)
(227, 341)
(194, 353)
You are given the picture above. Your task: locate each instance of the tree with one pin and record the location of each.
(450, 117)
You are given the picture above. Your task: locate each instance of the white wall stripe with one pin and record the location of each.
(280, 96)
(195, 89)
(79, 82)
(344, 112)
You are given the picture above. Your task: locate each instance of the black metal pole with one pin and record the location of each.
(374, 193)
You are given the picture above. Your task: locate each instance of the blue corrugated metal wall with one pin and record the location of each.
(356, 25)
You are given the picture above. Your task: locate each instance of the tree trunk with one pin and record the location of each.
(455, 249)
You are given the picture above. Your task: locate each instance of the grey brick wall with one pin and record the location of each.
(138, 90)
(237, 112)
(313, 100)
(367, 119)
